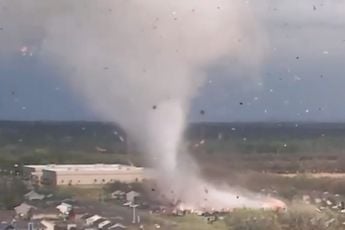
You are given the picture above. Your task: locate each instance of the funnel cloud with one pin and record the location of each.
(140, 64)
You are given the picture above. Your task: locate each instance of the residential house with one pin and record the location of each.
(117, 226)
(92, 219)
(132, 196)
(64, 208)
(118, 194)
(24, 210)
(32, 195)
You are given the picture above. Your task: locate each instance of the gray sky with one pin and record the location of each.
(302, 77)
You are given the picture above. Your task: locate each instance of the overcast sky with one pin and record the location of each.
(301, 79)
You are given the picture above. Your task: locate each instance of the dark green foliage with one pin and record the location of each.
(12, 192)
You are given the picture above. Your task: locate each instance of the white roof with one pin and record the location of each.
(93, 218)
(118, 225)
(86, 167)
(104, 223)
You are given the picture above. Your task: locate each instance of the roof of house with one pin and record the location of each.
(23, 208)
(32, 195)
(133, 193)
(117, 226)
(93, 218)
(118, 192)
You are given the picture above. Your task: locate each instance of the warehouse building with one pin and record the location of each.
(86, 174)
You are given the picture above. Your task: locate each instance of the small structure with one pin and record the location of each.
(131, 196)
(48, 225)
(32, 195)
(118, 194)
(104, 224)
(64, 208)
(117, 226)
(92, 219)
(24, 210)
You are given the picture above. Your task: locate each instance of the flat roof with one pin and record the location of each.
(95, 169)
(85, 167)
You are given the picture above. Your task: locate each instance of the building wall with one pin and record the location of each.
(88, 178)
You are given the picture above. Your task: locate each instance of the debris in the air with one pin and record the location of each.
(266, 111)
(202, 112)
(241, 103)
(285, 145)
(314, 7)
(237, 197)
(23, 107)
(297, 78)
(321, 76)
(13, 92)
(105, 67)
(154, 107)
(256, 98)
(121, 139)
(24, 50)
(307, 110)
(325, 52)
(271, 90)
(297, 57)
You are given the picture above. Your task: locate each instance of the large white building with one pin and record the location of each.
(84, 174)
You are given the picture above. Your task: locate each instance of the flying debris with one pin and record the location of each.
(202, 112)
(314, 7)
(154, 107)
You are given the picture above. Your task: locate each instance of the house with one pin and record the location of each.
(48, 225)
(92, 219)
(32, 195)
(131, 196)
(104, 224)
(97, 222)
(24, 210)
(117, 226)
(64, 208)
(117, 194)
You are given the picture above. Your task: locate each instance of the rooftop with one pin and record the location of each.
(85, 167)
